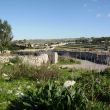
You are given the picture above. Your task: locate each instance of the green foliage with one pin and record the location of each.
(5, 35)
(90, 92)
(51, 96)
(17, 70)
(41, 88)
(16, 60)
(67, 60)
(13, 47)
(96, 87)
(106, 72)
(10, 90)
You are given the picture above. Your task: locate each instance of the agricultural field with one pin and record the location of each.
(81, 47)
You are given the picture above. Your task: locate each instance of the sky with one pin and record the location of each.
(50, 19)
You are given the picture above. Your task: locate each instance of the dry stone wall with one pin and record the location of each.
(4, 59)
(33, 60)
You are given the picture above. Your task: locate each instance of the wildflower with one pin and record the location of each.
(28, 87)
(19, 94)
(11, 63)
(5, 76)
(69, 83)
(38, 82)
(9, 91)
(48, 67)
(56, 82)
(20, 87)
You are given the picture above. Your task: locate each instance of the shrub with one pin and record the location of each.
(15, 60)
(45, 72)
(21, 70)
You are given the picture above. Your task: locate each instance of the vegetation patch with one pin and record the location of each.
(67, 60)
(51, 87)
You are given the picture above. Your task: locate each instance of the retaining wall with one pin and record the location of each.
(93, 57)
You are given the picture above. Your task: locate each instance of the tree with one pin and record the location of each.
(5, 35)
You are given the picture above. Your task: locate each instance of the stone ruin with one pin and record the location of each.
(53, 57)
(43, 58)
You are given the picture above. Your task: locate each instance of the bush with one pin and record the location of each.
(21, 70)
(15, 60)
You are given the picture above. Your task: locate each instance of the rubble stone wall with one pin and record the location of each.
(33, 60)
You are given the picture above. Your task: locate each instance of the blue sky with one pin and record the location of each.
(42, 19)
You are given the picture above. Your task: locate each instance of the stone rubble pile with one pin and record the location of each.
(4, 59)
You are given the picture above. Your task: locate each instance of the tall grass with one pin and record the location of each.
(21, 70)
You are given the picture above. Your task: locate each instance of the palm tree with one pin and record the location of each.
(5, 35)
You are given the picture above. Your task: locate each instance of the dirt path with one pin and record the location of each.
(87, 65)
